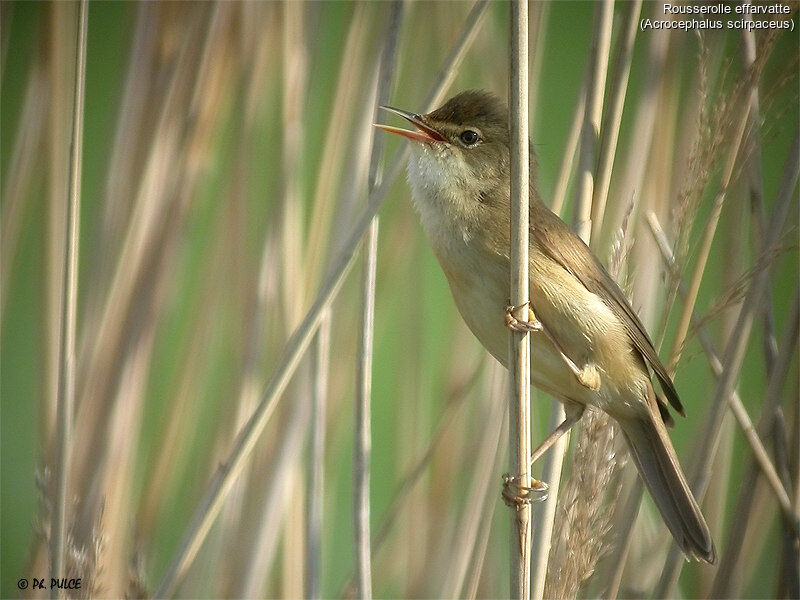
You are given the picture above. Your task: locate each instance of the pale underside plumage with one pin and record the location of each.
(573, 297)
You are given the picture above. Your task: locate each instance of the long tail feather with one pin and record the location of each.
(659, 468)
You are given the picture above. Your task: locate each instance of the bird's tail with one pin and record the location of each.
(658, 465)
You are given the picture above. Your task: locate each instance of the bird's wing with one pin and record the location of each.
(567, 249)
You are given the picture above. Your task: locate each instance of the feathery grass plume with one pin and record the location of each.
(734, 292)
(583, 515)
(612, 470)
(85, 561)
(719, 112)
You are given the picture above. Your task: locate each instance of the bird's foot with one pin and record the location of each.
(518, 495)
(515, 324)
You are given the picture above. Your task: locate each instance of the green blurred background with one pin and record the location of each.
(216, 262)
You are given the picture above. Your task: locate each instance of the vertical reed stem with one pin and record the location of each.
(595, 92)
(316, 479)
(363, 439)
(613, 119)
(69, 308)
(519, 413)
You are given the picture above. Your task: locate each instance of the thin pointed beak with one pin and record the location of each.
(425, 133)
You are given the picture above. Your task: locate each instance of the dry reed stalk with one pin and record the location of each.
(734, 354)
(274, 499)
(554, 460)
(623, 526)
(704, 143)
(400, 498)
(538, 39)
(755, 183)
(27, 145)
(592, 97)
(179, 427)
(126, 154)
(362, 431)
(351, 73)
(595, 80)
(613, 120)
(570, 150)
(752, 437)
(320, 362)
(125, 161)
(259, 50)
(480, 554)
(465, 543)
(118, 489)
(706, 241)
(644, 125)
(590, 133)
(159, 259)
(590, 475)
(315, 490)
(456, 398)
(638, 157)
(519, 418)
(166, 166)
(583, 517)
(294, 526)
(544, 524)
(731, 554)
(174, 441)
(60, 47)
(296, 346)
(270, 519)
(69, 316)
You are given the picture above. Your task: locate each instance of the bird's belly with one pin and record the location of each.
(584, 326)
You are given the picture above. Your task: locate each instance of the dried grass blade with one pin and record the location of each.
(362, 431)
(705, 244)
(69, 303)
(734, 356)
(737, 406)
(474, 518)
(613, 120)
(731, 554)
(320, 361)
(295, 347)
(25, 149)
(590, 134)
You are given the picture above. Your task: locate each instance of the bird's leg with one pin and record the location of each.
(588, 376)
(517, 495)
(573, 416)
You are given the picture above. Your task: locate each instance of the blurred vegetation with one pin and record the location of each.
(194, 271)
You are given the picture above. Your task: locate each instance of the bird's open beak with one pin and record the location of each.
(425, 133)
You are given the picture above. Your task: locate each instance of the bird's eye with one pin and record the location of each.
(469, 137)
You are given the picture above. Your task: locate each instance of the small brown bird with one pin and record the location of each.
(589, 346)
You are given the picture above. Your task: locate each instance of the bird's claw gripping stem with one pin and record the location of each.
(588, 375)
(515, 324)
(518, 495)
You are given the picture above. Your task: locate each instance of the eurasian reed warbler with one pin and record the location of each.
(589, 347)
